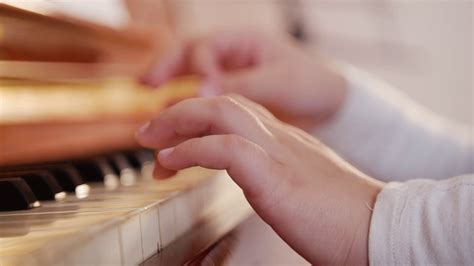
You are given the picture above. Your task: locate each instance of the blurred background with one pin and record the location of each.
(423, 47)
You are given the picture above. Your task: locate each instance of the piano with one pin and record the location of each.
(75, 188)
(108, 210)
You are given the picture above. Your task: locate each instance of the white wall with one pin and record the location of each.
(423, 47)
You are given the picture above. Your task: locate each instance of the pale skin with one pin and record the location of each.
(314, 200)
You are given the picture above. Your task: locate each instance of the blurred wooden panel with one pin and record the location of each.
(30, 143)
(27, 101)
(36, 37)
(56, 121)
(66, 71)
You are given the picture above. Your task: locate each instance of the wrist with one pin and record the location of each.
(358, 252)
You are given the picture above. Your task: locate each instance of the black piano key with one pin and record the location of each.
(65, 174)
(128, 175)
(133, 160)
(113, 164)
(68, 177)
(90, 170)
(16, 195)
(44, 185)
(149, 154)
(110, 177)
(147, 160)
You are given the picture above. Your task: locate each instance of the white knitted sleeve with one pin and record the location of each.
(388, 136)
(424, 222)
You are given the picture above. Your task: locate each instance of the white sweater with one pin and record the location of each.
(429, 219)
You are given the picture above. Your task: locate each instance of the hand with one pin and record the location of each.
(313, 199)
(300, 88)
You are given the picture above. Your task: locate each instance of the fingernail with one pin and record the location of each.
(208, 90)
(143, 128)
(166, 152)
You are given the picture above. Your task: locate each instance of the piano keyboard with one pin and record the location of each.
(106, 210)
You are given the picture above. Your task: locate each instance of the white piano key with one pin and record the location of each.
(102, 249)
(150, 231)
(183, 213)
(167, 222)
(199, 203)
(195, 199)
(113, 227)
(131, 241)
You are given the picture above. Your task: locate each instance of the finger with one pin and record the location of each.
(160, 172)
(246, 162)
(205, 56)
(173, 64)
(239, 49)
(204, 62)
(204, 116)
(214, 56)
(203, 59)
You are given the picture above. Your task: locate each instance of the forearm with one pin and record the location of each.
(388, 136)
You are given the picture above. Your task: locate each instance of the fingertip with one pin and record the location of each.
(164, 156)
(153, 78)
(160, 173)
(166, 153)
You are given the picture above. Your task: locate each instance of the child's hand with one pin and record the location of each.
(313, 199)
(297, 86)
